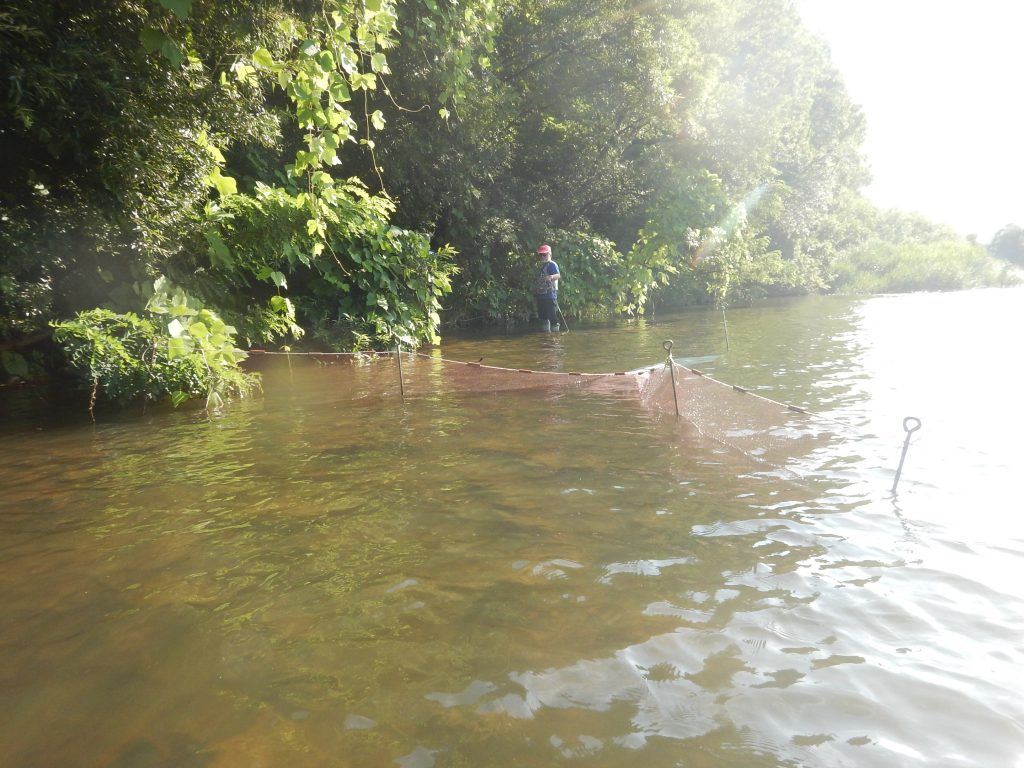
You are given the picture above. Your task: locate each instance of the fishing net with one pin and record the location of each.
(763, 430)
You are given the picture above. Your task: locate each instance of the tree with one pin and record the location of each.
(1008, 244)
(105, 174)
(198, 141)
(131, 126)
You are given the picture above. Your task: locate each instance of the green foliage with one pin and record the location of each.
(176, 350)
(13, 365)
(355, 278)
(940, 265)
(598, 281)
(907, 252)
(105, 175)
(494, 285)
(732, 89)
(701, 247)
(896, 226)
(1008, 244)
(370, 284)
(255, 152)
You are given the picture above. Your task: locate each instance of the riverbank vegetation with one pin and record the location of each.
(906, 253)
(360, 173)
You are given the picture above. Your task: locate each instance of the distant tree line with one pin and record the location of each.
(187, 176)
(1008, 244)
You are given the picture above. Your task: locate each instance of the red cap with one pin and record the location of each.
(544, 249)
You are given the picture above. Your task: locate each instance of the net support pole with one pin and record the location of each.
(910, 425)
(667, 346)
(401, 378)
(725, 324)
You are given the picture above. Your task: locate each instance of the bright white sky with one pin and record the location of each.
(941, 83)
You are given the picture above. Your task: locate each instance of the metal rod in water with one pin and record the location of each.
(401, 378)
(667, 346)
(564, 324)
(725, 324)
(910, 425)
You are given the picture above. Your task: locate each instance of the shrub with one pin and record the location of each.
(176, 350)
(944, 265)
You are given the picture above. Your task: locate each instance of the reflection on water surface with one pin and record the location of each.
(332, 576)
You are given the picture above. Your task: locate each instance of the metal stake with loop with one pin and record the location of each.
(401, 378)
(667, 346)
(910, 425)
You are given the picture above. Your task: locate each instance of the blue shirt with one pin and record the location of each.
(541, 286)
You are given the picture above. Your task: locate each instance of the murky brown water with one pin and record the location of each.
(330, 576)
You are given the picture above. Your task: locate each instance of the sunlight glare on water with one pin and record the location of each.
(332, 576)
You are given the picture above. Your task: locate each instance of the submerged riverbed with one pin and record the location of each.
(334, 575)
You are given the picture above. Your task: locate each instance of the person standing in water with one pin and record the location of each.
(545, 289)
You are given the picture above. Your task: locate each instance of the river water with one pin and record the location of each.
(332, 575)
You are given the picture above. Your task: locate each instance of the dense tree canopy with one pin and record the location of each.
(349, 170)
(1008, 244)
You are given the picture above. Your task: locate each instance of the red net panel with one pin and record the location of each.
(761, 429)
(476, 377)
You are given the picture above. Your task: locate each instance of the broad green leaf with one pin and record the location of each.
(339, 92)
(13, 364)
(348, 61)
(219, 253)
(152, 39)
(364, 81)
(198, 330)
(263, 58)
(180, 8)
(170, 51)
(225, 184)
(176, 329)
(243, 72)
(176, 347)
(326, 61)
(279, 279)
